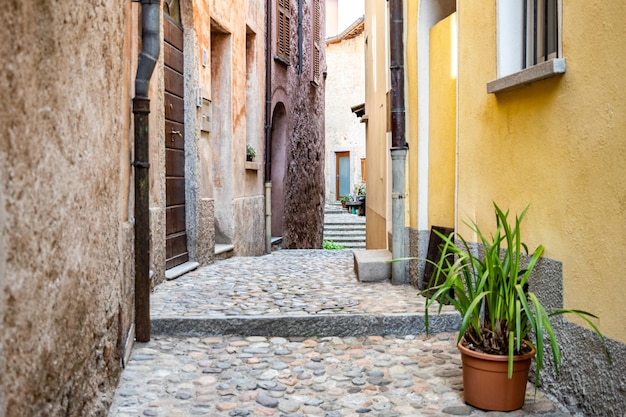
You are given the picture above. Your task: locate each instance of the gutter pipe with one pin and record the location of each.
(268, 127)
(398, 142)
(151, 45)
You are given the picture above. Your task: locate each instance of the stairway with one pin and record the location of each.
(343, 228)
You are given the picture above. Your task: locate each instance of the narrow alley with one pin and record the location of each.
(294, 333)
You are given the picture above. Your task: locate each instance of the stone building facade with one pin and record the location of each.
(296, 150)
(65, 229)
(345, 165)
(67, 222)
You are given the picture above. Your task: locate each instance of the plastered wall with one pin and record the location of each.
(557, 144)
(65, 238)
(344, 130)
(378, 218)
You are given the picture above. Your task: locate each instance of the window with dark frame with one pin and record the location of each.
(282, 30)
(541, 31)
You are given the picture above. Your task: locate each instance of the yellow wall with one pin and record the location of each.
(557, 144)
(442, 126)
(377, 142)
(410, 105)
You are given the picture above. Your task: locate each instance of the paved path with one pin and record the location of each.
(192, 371)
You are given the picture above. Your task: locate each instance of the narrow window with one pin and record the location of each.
(282, 30)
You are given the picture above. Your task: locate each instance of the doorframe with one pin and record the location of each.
(338, 155)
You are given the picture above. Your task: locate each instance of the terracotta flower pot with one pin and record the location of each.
(485, 380)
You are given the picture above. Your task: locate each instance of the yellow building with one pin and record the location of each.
(497, 115)
(378, 211)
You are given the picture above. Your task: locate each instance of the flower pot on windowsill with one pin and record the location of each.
(249, 158)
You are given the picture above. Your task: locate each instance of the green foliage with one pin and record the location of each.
(329, 244)
(250, 151)
(344, 199)
(491, 293)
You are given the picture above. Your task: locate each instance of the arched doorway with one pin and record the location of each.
(278, 163)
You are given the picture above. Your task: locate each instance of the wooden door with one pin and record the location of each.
(342, 170)
(175, 223)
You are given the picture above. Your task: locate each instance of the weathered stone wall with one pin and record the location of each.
(65, 240)
(586, 382)
(304, 175)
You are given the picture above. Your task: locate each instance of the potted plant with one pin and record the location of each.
(344, 200)
(250, 153)
(499, 313)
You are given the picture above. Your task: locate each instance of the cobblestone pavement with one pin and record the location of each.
(265, 375)
(285, 282)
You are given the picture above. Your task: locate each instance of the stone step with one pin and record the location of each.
(346, 233)
(322, 325)
(340, 225)
(223, 251)
(372, 265)
(349, 244)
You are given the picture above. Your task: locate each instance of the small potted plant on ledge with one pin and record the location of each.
(250, 153)
(499, 313)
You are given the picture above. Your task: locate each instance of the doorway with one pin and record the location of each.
(176, 252)
(342, 176)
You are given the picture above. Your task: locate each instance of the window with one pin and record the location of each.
(541, 31)
(283, 30)
(172, 9)
(529, 42)
(316, 40)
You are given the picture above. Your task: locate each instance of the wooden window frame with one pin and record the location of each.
(283, 29)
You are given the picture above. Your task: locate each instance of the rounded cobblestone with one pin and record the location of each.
(414, 375)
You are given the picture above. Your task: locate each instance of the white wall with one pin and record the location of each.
(345, 87)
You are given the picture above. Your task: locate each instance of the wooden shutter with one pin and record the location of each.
(316, 40)
(283, 29)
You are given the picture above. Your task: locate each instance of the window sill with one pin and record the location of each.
(252, 166)
(529, 75)
(281, 60)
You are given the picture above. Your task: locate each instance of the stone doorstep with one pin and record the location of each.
(179, 270)
(371, 265)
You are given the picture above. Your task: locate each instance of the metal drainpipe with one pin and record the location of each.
(398, 143)
(151, 45)
(268, 127)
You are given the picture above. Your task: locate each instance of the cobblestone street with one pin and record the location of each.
(360, 351)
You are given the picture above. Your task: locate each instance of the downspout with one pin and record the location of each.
(151, 44)
(268, 127)
(398, 142)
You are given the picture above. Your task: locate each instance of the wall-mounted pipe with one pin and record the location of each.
(151, 46)
(398, 142)
(268, 126)
(396, 39)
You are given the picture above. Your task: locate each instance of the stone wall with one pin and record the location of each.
(65, 238)
(587, 382)
(304, 171)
